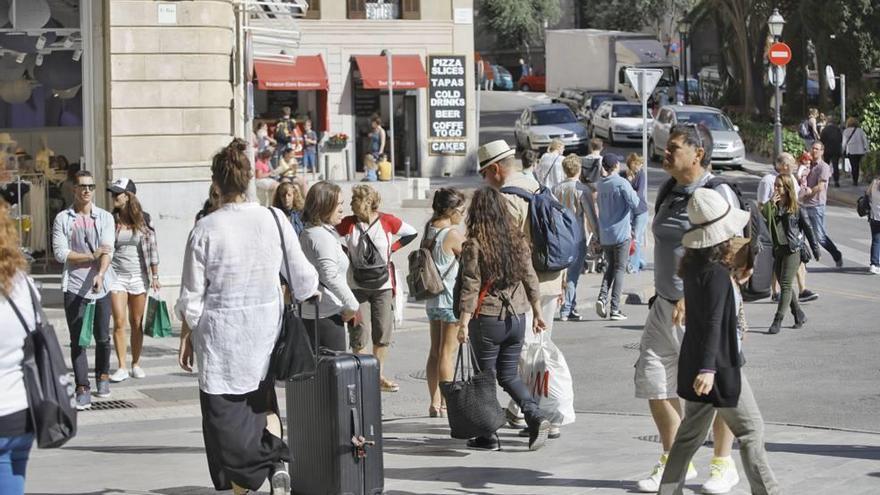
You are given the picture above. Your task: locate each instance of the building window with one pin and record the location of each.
(314, 11)
(384, 9)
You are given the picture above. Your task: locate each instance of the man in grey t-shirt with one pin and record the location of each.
(83, 238)
(686, 161)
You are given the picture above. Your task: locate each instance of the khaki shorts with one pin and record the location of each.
(656, 375)
(377, 319)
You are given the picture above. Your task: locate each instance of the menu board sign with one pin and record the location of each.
(447, 104)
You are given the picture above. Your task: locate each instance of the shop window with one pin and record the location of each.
(314, 11)
(384, 9)
(357, 9)
(412, 9)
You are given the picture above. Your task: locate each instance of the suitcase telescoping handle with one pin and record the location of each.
(359, 444)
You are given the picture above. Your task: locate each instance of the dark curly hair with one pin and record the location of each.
(503, 248)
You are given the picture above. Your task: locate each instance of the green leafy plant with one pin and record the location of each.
(758, 137)
(870, 118)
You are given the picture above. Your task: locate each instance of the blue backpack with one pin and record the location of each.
(555, 231)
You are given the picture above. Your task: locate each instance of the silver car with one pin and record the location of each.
(539, 124)
(728, 148)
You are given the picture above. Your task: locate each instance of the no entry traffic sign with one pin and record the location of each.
(779, 54)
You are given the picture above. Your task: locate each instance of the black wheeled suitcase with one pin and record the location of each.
(335, 427)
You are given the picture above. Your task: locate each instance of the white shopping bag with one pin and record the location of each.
(548, 378)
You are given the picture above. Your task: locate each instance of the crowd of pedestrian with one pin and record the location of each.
(500, 288)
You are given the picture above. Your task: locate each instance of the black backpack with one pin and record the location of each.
(713, 183)
(50, 391)
(591, 170)
(369, 268)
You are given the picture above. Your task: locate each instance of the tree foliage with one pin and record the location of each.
(519, 22)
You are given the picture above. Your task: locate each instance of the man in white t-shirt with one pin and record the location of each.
(549, 171)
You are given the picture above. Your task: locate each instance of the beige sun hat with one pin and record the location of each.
(494, 152)
(713, 220)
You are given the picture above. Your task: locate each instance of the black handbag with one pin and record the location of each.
(50, 391)
(472, 406)
(293, 355)
(863, 205)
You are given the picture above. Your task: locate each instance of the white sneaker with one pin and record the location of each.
(874, 269)
(651, 484)
(722, 476)
(119, 375)
(138, 372)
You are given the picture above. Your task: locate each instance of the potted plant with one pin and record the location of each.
(336, 141)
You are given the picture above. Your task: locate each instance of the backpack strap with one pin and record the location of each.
(519, 192)
(663, 193)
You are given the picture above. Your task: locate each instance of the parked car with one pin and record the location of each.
(532, 82)
(594, 100)
(503, 79)
(619, 121)
(539, 124)
(728, 148)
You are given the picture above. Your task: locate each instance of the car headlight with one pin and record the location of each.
(739, 144)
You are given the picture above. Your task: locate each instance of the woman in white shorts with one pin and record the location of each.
(136, 263)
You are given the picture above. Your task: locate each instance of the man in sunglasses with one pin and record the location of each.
(83, 236)
(687, 160)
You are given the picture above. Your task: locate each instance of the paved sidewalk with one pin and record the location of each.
(600, 453)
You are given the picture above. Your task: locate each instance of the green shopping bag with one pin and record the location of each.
(158, 322)
(88, 324)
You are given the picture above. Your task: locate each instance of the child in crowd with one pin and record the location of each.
(576, 196)
(371, 169)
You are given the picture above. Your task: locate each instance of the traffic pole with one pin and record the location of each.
(644, 96)
(390, 139)
(843, 100)
(777, 124)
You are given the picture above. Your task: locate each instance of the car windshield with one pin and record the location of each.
(626, 110)
(502, 70)
(553, 116)
(598, 99)
(714, 121)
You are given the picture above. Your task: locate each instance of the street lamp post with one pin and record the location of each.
(683, 28)
(775, 24)
(390, 138)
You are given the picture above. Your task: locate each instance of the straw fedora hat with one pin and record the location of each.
(494, 152)
(713, 220)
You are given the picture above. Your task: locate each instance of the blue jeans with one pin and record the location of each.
(816, 215)
(14, 452)
(569, 301)
(616, 258)
(310, 159)
(640, 227)
(875, 242)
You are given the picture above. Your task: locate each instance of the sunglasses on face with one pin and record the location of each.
(696, 128)
(90, 187)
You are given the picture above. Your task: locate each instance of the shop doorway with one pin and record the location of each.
(372, 103)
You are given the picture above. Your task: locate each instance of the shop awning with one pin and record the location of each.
(305, 72)
(408, 71)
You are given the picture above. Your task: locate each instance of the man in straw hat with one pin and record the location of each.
(501, 170)
(687, 161)
(709, 369)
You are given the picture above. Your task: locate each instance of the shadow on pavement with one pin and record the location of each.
(471, 478)
(867, 452)
(138, 449)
